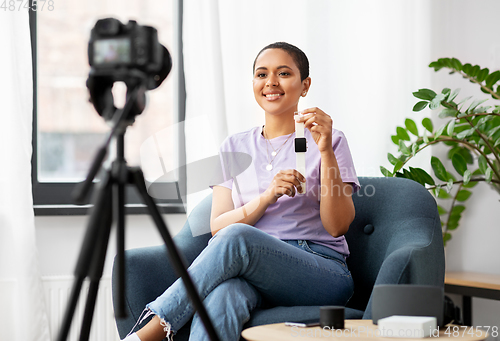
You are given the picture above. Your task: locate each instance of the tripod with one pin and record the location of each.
(109, 207)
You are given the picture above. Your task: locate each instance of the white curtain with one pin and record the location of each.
(22, 310)
(366, 58)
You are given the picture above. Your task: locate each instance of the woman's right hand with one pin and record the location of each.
(285, 182)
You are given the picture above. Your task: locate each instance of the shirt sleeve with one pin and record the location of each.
(344, 159)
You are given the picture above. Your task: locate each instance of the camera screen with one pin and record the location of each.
(112, 51)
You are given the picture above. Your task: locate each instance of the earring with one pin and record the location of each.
(304, 93)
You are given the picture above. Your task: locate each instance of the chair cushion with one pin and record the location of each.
(292, 314)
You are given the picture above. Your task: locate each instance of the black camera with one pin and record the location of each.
(129, 53)
(114, 46)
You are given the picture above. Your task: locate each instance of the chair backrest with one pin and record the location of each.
(391, 213)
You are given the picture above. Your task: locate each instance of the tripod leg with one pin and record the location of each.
(70, 309)
(86, 255)
(97, 266)
(175, 259)
(119, 211)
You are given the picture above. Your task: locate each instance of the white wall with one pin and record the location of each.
(468, 31)
(59, 239)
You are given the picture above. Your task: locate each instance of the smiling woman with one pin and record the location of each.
(264, 227)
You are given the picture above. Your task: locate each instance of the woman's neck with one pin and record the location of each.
(279, 126)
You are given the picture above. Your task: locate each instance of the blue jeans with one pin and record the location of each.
(242, 267)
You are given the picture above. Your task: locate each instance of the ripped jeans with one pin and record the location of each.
(242, 267)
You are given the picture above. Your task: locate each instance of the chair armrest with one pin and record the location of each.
(413, 263)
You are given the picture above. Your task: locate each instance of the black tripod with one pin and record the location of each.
(109, 207)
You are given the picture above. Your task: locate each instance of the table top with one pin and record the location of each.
(473, 279)
(354, 330)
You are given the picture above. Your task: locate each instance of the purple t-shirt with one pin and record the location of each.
(296, 218)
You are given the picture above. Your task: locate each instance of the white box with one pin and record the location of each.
(415, 327)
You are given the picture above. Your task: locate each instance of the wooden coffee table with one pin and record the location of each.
(354, 330)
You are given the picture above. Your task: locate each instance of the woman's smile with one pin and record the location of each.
(273, 96)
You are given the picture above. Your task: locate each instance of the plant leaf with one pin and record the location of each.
(395, 139)
(411, 126)
(385, 171)
(475, 70)
(482, 163)
(467, 176)
(463, 195)
(483, 120)
(456, 64)
(414, 148)
(475, 103)
(446, 238)
(403, 148)
(453, 95)
(467, 155)
(442, 194)
(392, 159)
(423, 175)
(464, 100)
(415, 176)
(481, 75)
(436, 101)
(425, 138)
(488, 174)
(402, 134)
(420, 106)
(436, 65)
(441, 210)
(492, 79)
(425, 94)
(497, 142)
(492, 131)
(397, 166)
(452, 224)
(427, 124)
(457, 209)
(440, 131)
(449, 185)
(448, 113)
(471, 184)
(439, 169)
(459, 163)
(451, 128)
(463, 134)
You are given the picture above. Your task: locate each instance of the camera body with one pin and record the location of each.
(128, 53)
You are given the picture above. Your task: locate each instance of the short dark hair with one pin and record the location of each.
(298, 56)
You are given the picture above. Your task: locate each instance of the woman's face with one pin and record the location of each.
(276, 83)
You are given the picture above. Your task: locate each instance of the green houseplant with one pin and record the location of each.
(471, 134)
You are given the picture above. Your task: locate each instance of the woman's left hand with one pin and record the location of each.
(319, 124)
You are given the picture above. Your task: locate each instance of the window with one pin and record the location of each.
(67, 131)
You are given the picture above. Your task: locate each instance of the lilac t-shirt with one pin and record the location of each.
(296, 218)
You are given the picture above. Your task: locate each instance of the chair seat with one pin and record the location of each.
(292, 314)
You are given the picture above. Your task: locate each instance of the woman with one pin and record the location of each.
(271, 245)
